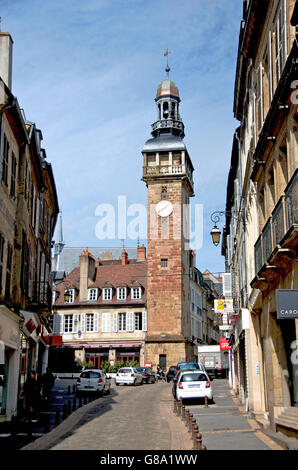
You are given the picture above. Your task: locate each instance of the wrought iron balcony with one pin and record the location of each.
(278, 241)
(41, 296)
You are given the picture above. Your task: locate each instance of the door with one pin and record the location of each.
(163, 361)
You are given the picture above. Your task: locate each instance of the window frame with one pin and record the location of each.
(119, 296)
(92, 290)
(105, 291)
(133, 293)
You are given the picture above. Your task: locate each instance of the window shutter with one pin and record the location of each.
(83, 322)
(115, 326)
(129, 324)
(57, 324)
(144, 321)
(75, 323)
(104, 323)
(227, 284)
(95, 322)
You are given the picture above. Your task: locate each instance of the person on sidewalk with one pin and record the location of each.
(47, 383)
(32, 395)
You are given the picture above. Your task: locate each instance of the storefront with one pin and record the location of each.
(9, 362)
(99, 352)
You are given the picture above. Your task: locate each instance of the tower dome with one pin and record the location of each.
(167, 88)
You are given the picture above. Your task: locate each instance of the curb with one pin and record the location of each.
(59, 432)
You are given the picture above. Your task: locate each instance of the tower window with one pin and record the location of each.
(164, 263)
(164, 192)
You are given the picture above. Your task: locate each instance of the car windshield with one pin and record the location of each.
(140, 369)
(189, 366)
(194, 378)
(90, 374)
(125, 371)
(148, 371)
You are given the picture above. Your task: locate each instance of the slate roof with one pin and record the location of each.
(69, 256)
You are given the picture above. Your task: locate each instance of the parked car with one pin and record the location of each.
(182, 370)
(190, 366)
(128, 376)
(93, 380)
(147, 374)
(171, 373)
(193, 384)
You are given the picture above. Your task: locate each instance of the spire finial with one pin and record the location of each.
(167, 67)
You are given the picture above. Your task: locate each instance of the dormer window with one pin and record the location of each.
(107, 293)
(92, 294)
(121, 293)
(69, 295)
(136, 293)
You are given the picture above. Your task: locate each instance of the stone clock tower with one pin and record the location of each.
(168, 173)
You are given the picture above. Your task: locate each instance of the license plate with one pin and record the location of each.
(194, 386)
(87, 386)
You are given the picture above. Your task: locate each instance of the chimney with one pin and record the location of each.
(141, 252)
(87, 273)
(98, 262)
(6, 43)
(124, 257)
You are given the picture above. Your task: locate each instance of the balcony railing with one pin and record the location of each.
(283, 221)
(165, 170)
(41, 294)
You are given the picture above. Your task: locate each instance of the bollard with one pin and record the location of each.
(190, 416)
(194, 436)
(206, 401)
(74, 404)
(199, 441)
(85, 400)
(183, 413)
(186, 416)
(46, 423)
(69, 407)
(193, 423)
(175, 407)
(13, 427)
(73, 389)
(68, 390)
(57, 415)
(80, 402)
(64, 411)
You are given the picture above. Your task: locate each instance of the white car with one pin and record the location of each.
(93, 380)
(129, 376)
(193, 384)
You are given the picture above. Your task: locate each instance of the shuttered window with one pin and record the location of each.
(106, 322)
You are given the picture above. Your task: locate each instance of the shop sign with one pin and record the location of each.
(225, 327)
(223, 305)
(148, 364)
(224, 344)
(287, 303)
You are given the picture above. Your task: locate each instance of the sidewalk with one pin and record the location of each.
(225, 425)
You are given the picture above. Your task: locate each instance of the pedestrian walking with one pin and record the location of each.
(32, 395)
(47, 383)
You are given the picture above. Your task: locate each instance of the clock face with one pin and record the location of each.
(164, 208)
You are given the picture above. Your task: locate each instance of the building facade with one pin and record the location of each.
(100, 312)
(260, 242)
(28, 212)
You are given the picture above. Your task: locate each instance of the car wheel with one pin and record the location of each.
(117, 384)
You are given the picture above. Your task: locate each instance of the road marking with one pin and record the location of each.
(220, 431)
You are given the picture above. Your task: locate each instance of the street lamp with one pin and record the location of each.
(215, 232)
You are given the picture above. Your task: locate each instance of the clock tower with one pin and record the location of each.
(168, 174)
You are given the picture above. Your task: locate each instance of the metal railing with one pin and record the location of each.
(284, 217)
(41, 294)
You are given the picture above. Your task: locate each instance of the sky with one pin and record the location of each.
(86, 72)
